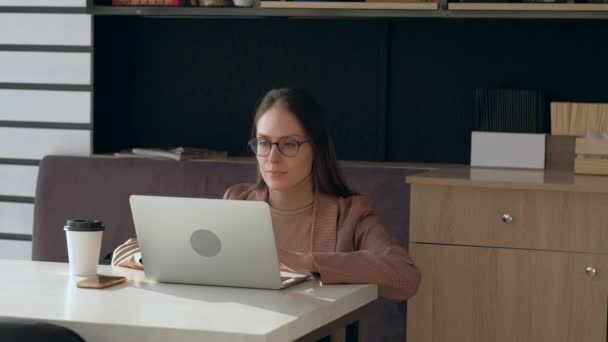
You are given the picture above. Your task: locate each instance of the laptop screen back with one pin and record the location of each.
(206, 241)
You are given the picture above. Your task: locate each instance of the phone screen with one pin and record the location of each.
(100, 281)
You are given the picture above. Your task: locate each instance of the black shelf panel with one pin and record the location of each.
(256, 12)
(40, 9)
(516, 14)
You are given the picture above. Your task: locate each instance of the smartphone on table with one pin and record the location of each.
(100, 281)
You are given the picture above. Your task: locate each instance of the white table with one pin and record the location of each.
(142, 310)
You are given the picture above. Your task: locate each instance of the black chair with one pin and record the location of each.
(19, 330)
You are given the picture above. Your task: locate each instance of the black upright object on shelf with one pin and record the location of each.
(510, 110)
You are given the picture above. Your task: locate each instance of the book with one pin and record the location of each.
(147, 2)
(177, 153)
(129, 154)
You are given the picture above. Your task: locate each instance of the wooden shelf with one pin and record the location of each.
(173, 11)
(369, 10)
(563, 7)
(350, 5)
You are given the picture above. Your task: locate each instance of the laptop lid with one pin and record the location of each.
(206, 241)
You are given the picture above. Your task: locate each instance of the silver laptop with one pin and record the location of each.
(208, 242)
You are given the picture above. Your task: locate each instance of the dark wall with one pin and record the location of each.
(436, 66)
(396, 90)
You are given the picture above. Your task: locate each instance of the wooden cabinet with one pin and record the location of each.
(540, 276)
(502, 294)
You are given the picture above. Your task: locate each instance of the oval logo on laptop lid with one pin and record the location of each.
(205, 243)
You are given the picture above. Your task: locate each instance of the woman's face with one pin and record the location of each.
(280, 172)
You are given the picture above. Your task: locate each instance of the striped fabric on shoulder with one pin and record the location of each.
(128, 255)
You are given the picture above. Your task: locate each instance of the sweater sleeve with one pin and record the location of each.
(378, 259)
(227, 193)
(238, 192)
(128, 255)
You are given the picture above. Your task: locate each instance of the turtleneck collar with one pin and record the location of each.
(298, 197)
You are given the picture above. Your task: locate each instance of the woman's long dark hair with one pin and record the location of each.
(326, 174)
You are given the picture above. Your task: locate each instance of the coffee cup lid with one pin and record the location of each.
(83, 226)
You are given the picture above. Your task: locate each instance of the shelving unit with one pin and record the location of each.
(352, 10)
(563, 7)
(351, 5)
(372, 10)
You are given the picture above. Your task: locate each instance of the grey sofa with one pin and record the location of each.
(99, 187)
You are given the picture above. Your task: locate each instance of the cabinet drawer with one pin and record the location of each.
(548, 220)
(478, 294)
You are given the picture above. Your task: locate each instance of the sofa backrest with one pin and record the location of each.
(99, 188)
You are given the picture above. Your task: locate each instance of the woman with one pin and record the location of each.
(320, 225)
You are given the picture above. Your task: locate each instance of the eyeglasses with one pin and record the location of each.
(288, 147)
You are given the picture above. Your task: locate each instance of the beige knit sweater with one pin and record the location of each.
(350, 244)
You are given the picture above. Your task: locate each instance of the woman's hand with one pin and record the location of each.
(296, 262)
(128, 255)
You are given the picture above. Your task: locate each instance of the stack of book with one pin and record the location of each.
(178, 153)
(152, 2)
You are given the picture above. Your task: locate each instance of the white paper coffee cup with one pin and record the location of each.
(84, 245)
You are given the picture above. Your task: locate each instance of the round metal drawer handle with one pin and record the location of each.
(591, 271)
(507, 218)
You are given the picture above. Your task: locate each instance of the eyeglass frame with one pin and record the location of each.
(299, 143)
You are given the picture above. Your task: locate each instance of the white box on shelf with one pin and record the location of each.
(516, 150)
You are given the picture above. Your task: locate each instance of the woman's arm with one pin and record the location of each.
(128, 255)
(377, 259)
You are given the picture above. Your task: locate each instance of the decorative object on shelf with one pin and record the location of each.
(178, 153)
(543, 1)
(575, 119)
(559, 152)
(513, 150)
(569, 121)
(502, 5)
(592, 154)
(243, 3)
(400, 1)
(510, 110)
(148, 2)
(216, 3)
(384, 5)
(478, 1)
